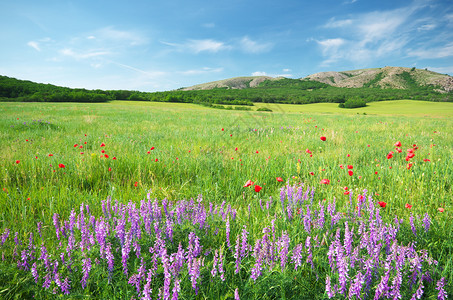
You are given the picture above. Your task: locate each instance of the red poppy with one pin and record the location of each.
(136, 183)
(441, 209)
(341, 167)
(106, 156)
(408, 206)
(61, 165)
(399, 150)
(348, 155)
(17, 161)
(148, 152)
(75, 145)
(346, 193)
(411, 155)
(156, 160)
(390, 155)
(350, 167)
(325, 181)
(50, 154)
(80, 147)
(26, 140)
(110, 169)
(279, 179)
(376, 172)
(114, 158)
(323, 138)
(81, 153)
(102, 145)
(152, 148)
(222, 129)
(308, 151)
(426, 160)
(398, 144)
(248, 183)
(236, 149)
(257, 151)
(257, 188)
(409, 166)
(312, 174)
(382, 204)
(102, 151)
(350, 173)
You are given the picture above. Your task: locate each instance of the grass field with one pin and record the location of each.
(54, 157)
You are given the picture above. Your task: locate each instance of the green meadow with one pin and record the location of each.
(54, 157)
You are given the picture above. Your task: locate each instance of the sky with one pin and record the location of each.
(149, 45)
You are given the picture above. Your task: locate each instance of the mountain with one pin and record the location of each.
(232, 83)
(387, 77)
(382, 78)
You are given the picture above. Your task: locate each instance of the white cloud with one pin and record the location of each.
(332, 23)
(249, 46)
(204, 70)
(84, 55)
(286, 70)
(208, 45)
(110, 34)
(439, 52)
(426, 27)
(34, 45)
(259, 73)
(209, 25)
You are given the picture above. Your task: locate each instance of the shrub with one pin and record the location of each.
(353, 103)
(264, 109)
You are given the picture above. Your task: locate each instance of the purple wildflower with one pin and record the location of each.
(440, 287)
(356, 287)
(228, 232)
(412, 224)
(147, 288)
(426, 222)
(283, 250)
(4, 236)
(214, 264)
(125, 250)
(419, 292)
(56, 223)
(86, 271)
(237, 255)
(65, 286)
(296, 258)
(236, 294)
(47, 280)
(329, 290)
(34, 272)
(220, 266)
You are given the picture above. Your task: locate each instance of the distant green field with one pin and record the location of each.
(56, 156)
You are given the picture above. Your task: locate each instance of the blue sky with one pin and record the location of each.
(151, 45)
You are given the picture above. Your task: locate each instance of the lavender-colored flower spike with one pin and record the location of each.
(426, 222)
(411, 219)
(236, 294)
(86, 271)
(440, 287)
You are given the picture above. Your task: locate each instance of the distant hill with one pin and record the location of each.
(231, 83)
(383, 78)
(388, 77)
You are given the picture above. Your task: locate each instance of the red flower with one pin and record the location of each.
(102, 145)
(248, 183)
(236, 149)
(156, 160)
(75, 145)
(222, 129)
(410, 155)
(350, 167)
(341, 167)
(114, 158)
(348, 155)
(382, 204)
(390, 155)
(257, 151)
(106, 156)
(81, 147)
(257, 188)
(346, 193)
(350, 173)
(398, 144)
(136, 183)
(399, 150)
(409, 166)
(323, 138)
(440, 209)
(325, 181)
(61, 165)
(152, 148)
(102, 151)
(17, 161)
(426, 160)
(110, 169)
(408, 206)
(312, 174)
(279, 179)
(50, 154)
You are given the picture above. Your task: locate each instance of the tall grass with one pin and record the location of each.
(196, 155)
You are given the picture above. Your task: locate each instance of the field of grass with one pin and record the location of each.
(153, 158)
